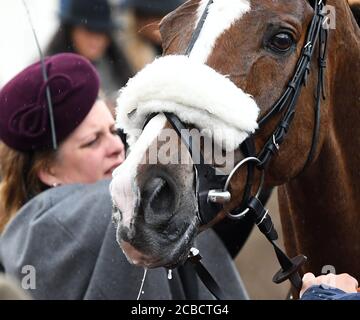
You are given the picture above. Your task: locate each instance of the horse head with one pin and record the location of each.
(228, 67)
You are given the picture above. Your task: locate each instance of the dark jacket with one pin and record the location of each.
(323, 292)
(66, 234)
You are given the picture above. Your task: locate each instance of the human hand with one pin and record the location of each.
(343, 281)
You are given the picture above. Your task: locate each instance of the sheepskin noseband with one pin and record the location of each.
(194, 92)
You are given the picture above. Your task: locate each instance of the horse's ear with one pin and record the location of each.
(176, 23)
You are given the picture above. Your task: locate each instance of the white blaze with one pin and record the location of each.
(123, 188)
(222, 14)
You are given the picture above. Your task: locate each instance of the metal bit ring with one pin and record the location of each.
(232, 173)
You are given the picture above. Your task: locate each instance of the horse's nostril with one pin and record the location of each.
(125, 234)
(161, 199)
(158, 197)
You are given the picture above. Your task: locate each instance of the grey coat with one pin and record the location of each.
(66, 234)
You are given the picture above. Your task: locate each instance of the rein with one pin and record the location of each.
(213, 190)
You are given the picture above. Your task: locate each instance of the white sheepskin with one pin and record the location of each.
(193, 91)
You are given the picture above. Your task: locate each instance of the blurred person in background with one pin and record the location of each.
(141, 38)
(87, 28)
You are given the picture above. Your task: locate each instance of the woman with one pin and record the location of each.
(141, 39)
(57, 237)
(88, 152)
(86, 28)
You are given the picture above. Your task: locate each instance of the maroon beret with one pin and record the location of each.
(24, 112)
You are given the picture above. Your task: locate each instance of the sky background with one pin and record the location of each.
(17, 45)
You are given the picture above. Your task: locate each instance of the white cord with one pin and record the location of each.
(142, 284)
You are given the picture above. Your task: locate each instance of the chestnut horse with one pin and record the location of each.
(241, 62)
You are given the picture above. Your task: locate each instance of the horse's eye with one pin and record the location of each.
(281, 42)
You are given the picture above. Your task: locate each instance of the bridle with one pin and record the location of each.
(212, 190)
